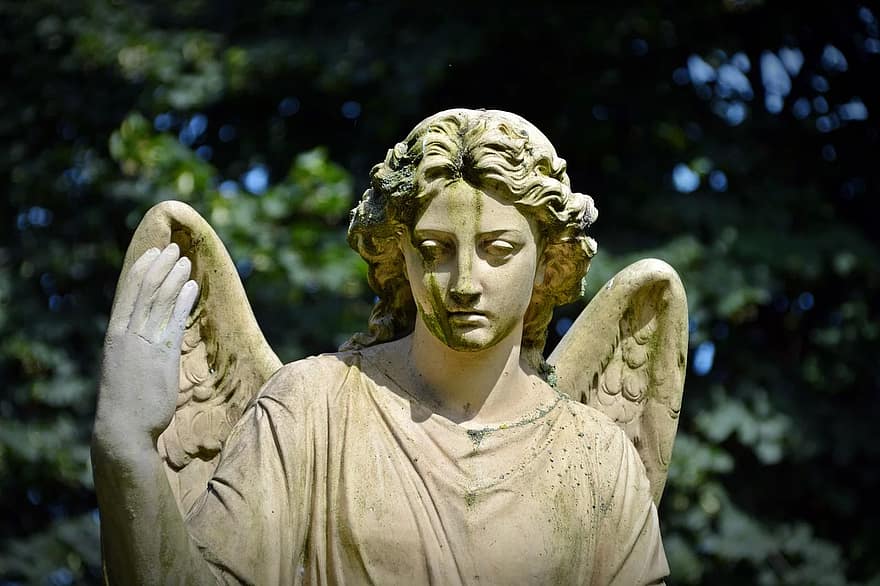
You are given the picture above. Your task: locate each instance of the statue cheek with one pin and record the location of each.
(435, 292)
(431, 308)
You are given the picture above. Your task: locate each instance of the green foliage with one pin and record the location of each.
(756, 187)
(287, 239)
(64, 554)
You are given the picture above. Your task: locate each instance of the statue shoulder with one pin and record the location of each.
(602, 433)
(309, 380)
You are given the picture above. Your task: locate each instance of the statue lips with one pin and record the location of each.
(467, 317)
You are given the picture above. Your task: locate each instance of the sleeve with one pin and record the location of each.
(252, 522)
(629, 547)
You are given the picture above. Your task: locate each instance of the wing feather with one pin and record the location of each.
(626, 355)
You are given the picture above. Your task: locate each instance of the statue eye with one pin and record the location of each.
(499, 248)
(432, 250)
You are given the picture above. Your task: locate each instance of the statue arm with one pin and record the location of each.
(249, 526)
(252, 523)
(635, 555)
(144, 538)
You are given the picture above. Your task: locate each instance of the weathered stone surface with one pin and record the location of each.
(433, 447)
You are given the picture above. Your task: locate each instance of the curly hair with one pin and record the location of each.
(489, 149)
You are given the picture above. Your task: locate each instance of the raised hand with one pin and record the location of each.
(140, 372)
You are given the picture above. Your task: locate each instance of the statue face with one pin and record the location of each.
(472, 264)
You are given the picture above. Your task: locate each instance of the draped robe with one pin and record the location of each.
(336, 476)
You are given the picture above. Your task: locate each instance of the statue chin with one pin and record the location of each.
(473, 341)
(469, 333)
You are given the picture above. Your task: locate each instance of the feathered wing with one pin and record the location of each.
(626, 355)
(225, 358)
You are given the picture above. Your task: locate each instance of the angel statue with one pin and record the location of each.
(436, 447)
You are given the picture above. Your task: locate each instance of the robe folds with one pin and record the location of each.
(336, 476)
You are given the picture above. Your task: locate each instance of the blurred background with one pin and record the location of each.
(736, 139)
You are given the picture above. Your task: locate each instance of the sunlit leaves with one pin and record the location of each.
(184, 68)
(62, 555)
(755, 424)
(286, 237)
(159, 158)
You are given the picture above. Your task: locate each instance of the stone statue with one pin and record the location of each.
(436, 447)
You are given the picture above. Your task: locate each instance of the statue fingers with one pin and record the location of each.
(165, 298)
(150, 284)
(182, 307)
(129, 289)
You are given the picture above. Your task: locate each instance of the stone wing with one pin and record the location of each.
(225, 358)
(626, 356)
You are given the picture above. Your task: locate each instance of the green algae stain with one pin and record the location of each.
(478, 207)
(437, 326)
(476, 436)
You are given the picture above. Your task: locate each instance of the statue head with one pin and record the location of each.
(490, 150)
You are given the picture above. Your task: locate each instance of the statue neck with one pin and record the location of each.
(482, 387)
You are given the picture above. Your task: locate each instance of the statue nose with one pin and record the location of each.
(464, 298)
(465, 289)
